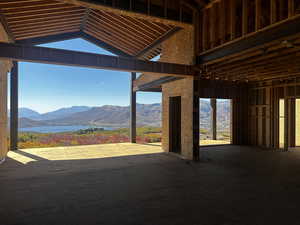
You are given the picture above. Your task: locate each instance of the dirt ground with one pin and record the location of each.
(232, 185)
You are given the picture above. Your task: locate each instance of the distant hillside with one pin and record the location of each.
(63, 112)
(118, 116)
(28, 113)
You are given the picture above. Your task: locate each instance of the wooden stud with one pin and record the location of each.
(222, 27)
(233, 19)
(291, 8)
(258, 14)
(273, 5)
(245, 17)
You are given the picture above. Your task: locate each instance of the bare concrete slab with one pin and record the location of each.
(232, 185)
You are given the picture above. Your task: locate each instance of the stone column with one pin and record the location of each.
(4, 68)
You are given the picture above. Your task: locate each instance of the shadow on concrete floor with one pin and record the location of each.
(237, 186)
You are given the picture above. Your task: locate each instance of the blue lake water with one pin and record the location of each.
(56, 129)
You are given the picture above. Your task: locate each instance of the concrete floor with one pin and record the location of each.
(231, 186)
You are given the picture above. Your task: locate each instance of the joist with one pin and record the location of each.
(126, 12)
(74, 58)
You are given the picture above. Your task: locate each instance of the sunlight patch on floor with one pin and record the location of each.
(20, 158)
(84, 152)
(214, 142)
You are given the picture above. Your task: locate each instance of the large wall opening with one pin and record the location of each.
(215, 121)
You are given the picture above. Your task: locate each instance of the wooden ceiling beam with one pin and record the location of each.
(25, 4)
(44, 22)
(46, 26)
(42, 13)
(131, 26)
(34, 9)
(50, 29)
(118, 31)
(82, 59)
(108, 41)
(127, 12)
(46, 33)
(50, 38)
(107, 34)
(271, 33)
(68, 14)
(157, 42)
(119, 28)
(6, 27)
(103, 45)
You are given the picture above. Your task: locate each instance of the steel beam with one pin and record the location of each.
(132, 110)
(156, 83)
(82, 59)
(14, 106)
(213, 105)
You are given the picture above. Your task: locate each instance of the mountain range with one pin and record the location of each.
(115, 116)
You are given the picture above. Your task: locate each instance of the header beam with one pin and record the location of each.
(82, 59)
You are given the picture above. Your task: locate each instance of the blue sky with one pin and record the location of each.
(48, 87)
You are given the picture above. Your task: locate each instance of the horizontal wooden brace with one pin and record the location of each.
(19, 52)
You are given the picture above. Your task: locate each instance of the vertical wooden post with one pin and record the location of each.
(213, 105)
(213, 26)
(196, 122)
(291, 8)
(286, 120)
(204, 30)
(292, 122)
(258, 11)
(245, 16)
(222, 27)
(14, 106)
(273, 11)
(3, 111)
(132, 110)
(233, 19)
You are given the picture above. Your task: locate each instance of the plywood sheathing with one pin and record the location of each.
(179, 49)
(4, 68)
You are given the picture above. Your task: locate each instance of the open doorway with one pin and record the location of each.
(281, 122)
(294, 123)
(215, 121)
(175, 124)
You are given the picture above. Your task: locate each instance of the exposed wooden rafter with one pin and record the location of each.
(126, 11)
